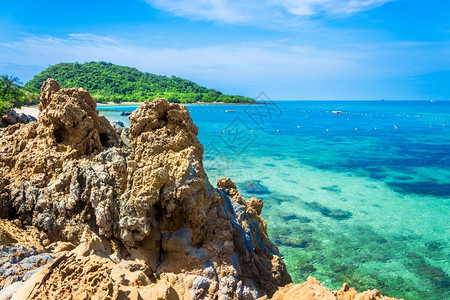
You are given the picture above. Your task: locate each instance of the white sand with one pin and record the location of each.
(29, 110)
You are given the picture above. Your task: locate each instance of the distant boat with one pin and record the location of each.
(337, 111)
(432, 101)
(230, 111)
(125, 114)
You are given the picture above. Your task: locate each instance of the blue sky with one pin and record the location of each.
(290, 49)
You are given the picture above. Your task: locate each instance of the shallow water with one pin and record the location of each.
(360, 197)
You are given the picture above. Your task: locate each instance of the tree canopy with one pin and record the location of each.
(13, 95)
(109, 82)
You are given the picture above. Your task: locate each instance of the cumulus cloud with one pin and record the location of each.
(267, 11)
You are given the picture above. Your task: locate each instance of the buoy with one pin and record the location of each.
(298, 126)
(356, 128)
(278, 130)
(375, 128)
(327, 129)
(223, 131)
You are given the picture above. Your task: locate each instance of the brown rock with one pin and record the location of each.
(313, 290)
(66, 175)
(146, 224)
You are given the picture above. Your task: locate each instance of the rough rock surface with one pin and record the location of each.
(66, 175)
(146, 221)
(312, 290)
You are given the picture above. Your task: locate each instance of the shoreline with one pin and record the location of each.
(31, 110)
(196, 103)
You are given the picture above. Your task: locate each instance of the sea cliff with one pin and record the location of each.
(98, 212)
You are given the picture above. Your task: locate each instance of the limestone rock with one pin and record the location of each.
(155, 207)
(145, 220)
(313, 290)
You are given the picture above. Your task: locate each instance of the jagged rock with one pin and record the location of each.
(313, 290)
(146, 221)
(66, 175)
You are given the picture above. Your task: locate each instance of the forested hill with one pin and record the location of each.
(108, 82)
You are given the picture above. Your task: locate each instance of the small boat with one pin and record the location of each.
(125, 113)
(230, 111)
(337, 111)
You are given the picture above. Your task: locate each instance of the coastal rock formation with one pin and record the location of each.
(12, 117)
(128, 221)
(313, 290)
(154, 206)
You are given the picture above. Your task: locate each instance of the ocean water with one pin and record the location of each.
(361, 197)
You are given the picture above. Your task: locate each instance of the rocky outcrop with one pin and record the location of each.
(153, 206)
(12, 117)
(136, 204)
(313, 290)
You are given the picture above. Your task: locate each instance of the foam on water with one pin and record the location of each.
(360, 197)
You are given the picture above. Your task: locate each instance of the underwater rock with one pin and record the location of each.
(333, 188)
(422, 268)
(288, 217)
(424, 188)
(336, 214)
(255, 187)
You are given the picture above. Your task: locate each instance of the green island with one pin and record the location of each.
(108, 82)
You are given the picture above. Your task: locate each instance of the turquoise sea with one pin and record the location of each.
(361, 197)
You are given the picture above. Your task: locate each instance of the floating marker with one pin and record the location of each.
(327, 129)
(298, 126)
(375, 128)
(278, 130)
(356, 128)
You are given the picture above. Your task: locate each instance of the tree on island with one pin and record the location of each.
(108, 82)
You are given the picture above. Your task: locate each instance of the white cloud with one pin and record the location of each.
(242, 60)
(262, 11)
(279, 67)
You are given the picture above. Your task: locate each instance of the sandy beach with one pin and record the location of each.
(29, 110)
